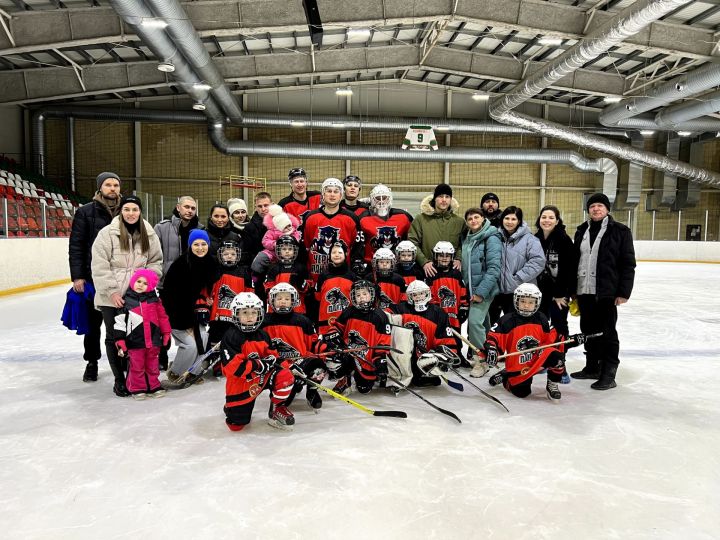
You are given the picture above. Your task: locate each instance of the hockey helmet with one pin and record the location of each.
(527, 290)
(418, 295)
(286, 241)
(363, 295)
(381, 200)
(284, 288)
(383, 254)
(443, 248)
(294, 173)
(228, 254)
(243, 301)
(403, 248)
(332, 182)
(353, 178)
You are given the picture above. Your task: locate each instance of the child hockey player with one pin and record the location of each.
(233, 278)
(250, 366)
(288, 270)
(405, 253)
(448, 288)
(392, 285)
(141, 328)
(333, 287)
(293, 337)
(526, 328)
(430, 327)
(278, 224)
(363, 326)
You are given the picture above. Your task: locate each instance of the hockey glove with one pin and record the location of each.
(463, 314)
(333, 340)
(427, 362)
(381, 370)
(359, 267)
(579, 339)
(491, 356)
(265, 365)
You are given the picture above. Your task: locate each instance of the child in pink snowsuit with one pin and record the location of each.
(278, 223)
(141, 328)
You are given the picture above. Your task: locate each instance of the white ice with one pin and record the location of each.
(640, 461)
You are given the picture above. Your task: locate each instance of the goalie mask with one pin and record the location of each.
(228, 254)
(275, 298)
(247, 311)
(418, 295)
(405, 253)
(443, 254)
(381, 200)
(287, 249)
(362, 295)
(526, 299)
(383, 262)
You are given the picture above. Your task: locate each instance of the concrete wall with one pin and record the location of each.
(31, 261)
(11, 141)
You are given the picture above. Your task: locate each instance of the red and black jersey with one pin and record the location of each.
(321, 230)
(230, 284)
(513, 333)
(430, 328)
(295, 274)
(449, 292)
(299, 209)
(291, 334)
(240, 354)
(384, 232)
(333, 293)
(357, 209)
(392, 290)
(362, 329)
(415, 272)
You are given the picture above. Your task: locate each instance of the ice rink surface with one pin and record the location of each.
(640, 461)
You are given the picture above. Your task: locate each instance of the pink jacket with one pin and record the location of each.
(273, 233)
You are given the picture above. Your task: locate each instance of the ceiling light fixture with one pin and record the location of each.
(153, 23)
(166, 67)
(297, 123)
(684, 133)
(358, 32)
(480, 97)
(338, 125)
(199, 106)
(549, 40)
(443, 128)
(344, 91)
(612, 99)
(202, 86)
(647, 132)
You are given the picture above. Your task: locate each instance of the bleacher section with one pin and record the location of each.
(28, 202)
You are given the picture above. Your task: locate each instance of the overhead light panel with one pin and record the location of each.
(612, 99)
(297, 123)
(338, 125)
(202, 86)
(443, 128)
(344, 91)
(153, 23)
(199, 106)
(480, 97)
(549, 40)
(358, 32)
(684, 133)
(166, 67)
(647, 132)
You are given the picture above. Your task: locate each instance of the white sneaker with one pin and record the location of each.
(160, 392)
(139, 397)
(480, 369)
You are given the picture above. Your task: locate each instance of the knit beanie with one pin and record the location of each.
(104, 176)
(149, 275)
(236, 204)
(279, 218)
(598, 198)
(130, 199)
(489, 197)
(442, 189)
(198, 234)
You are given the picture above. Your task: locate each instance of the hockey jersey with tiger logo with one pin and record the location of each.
(321, 230)
(292, 335)
(392, 290)
(384, 232)
(228, 286)
(362, 329)
(295, 274)
(333, 293)
(449, 292)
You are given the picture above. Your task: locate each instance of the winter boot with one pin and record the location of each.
(553, 393)
(312, 396)
(343, 386)
(91, 372)
(281, 417)
(496, 379)
(585, 374)
(606, 381)
(120, 389)
(480, 369)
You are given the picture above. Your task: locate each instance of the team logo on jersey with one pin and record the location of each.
(283, 348)
(523, 344)
(447, 297)
(418, 335)
(336, 300)
(356, 341)
(386, 237)
(326, 237)
(225, 297)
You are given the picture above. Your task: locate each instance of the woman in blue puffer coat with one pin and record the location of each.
(481, 262)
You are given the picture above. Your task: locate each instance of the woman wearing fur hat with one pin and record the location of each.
(121, 248)
(278, 224)
(141, 328)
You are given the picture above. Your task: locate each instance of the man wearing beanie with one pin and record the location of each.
(87, 222)
(437, 221)
(605, 276)
(490, 204)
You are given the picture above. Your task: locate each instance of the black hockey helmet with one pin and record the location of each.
(358, 298)
(285, 241)
(224, 252)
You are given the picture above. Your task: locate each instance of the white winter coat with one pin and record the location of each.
(112, 268)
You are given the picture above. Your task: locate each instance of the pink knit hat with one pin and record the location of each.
(150, 276)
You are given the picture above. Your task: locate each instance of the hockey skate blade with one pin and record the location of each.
(278, 425)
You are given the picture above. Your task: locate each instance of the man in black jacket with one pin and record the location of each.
(606, 273)
(255, 230)
(88, 221)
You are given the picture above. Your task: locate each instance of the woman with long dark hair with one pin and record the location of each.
(126, 245)
(220, 230)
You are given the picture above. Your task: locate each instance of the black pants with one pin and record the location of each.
(91, 340)
(557, 317)
(600, 315)
(116, 365)
(555, 364)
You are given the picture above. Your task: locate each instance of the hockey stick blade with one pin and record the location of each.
(394, 414)
(483, 392)
(452, 384)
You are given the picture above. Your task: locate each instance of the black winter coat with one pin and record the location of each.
(253, 235)
(227, 234)
(187, 278)
(559, 278)
(615, 273)
(89, 219)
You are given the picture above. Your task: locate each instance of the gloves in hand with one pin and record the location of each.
(491, 356)
(333, 340)
(265, 365)
(359, 267)
(579, 339)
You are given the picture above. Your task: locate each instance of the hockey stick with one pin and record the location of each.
(413, 392)
(483, 392)
(300, 375)
(182, 380)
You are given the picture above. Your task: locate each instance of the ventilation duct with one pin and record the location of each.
(630, 177)
(666, 184)
(678, 116)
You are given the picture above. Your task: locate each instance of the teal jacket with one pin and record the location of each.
(482, 261)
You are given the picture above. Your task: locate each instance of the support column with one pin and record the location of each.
(137, 138)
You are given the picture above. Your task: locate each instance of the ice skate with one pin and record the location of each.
(343, 386)
(553, 392)
(281, 417)
(496, 379)
(312, 396)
